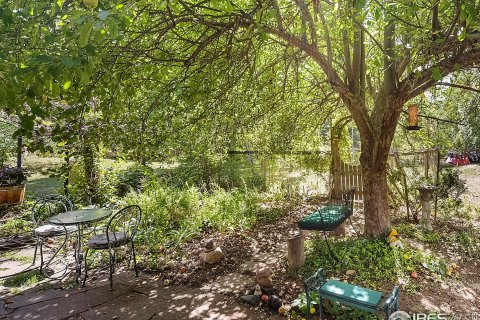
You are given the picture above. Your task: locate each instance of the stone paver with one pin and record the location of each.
(24, 300)
(127, 306)
(203, 306)
(229, 283)
(59, 308)
(140, 298)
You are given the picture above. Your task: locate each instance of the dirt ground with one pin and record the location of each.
(265, 244)
(458, 296)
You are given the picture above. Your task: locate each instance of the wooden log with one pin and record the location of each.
(296, 251)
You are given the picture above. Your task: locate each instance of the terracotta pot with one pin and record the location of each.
(12, 195)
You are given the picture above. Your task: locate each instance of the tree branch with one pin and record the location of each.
(457, 86)
(413, 85)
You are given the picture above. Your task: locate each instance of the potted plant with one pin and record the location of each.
(12, 185)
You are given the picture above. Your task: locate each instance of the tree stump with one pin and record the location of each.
(296, 252)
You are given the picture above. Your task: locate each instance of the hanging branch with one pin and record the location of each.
(447, 84)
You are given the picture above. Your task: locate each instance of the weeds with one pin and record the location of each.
(373, 260)
(25, 279)
(469, 243)
(10, 255)
(172, 216)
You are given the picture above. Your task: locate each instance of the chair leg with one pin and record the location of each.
(134, 260)
(320, 307)
(41, 255)
(35, 252)
(111, 266)
(57, 250)
(114, 260)
(307, 295)
(86, 273)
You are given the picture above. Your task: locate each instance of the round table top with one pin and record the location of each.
(79, 216)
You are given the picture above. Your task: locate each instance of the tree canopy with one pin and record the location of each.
(211, 75)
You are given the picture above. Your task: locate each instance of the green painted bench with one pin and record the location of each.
(331, 216)
(349, 295)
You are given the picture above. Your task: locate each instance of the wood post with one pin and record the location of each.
(296, 252)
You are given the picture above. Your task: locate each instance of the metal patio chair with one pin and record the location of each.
(42, 210)
(120, 231)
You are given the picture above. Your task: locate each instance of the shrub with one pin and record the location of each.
(450, 184)
(450, 189)
(133, 178)
(373, 260)
(79, 190)
(12, 176)
(172, 215)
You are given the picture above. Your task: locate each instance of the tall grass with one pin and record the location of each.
(172, 215)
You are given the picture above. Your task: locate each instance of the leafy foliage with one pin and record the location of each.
(132, 178)
(12, 176)
(373, 260)
(172, 215)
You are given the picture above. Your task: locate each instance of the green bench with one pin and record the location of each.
(349, 295)
(331, 216)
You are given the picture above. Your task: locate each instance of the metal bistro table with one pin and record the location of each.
(79, 218)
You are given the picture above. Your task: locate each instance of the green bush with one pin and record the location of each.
(172, 215)
(373, 260)
(77, 185)
(210, 172)
(450, 184)
(132, 178)
(469, 242)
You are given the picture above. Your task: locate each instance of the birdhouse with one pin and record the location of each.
(413, 117)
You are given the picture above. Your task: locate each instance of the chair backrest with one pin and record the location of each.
(125, 221)
(48, 206)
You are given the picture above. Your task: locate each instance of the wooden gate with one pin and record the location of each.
(345, 176)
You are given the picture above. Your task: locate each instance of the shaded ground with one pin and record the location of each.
(459, 295)
(212, 292)
(133, 298)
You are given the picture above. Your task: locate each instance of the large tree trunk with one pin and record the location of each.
(374, 161)
(375, 200)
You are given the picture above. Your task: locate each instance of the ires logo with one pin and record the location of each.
(402, 315)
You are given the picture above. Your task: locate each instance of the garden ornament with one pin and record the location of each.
(394, 239)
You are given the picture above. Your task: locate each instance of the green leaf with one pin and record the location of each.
(85, 32)
(113, 28)
(84, 77)
(36, 110)
(67, 84)
(228, 6)
(272, 13)
(26, 122)
(437, 74)
(360, 4)
(55, 90)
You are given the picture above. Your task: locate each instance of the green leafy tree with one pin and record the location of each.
(219, 67)
(374, 55)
